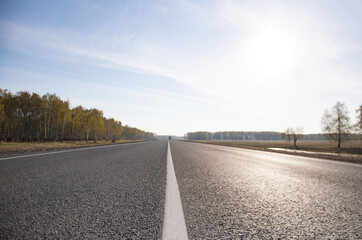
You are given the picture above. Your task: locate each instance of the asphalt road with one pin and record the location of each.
(231, 193)
(114, 192)
(118, 192)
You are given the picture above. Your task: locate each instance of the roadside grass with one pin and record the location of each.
(348, 147)
(10, 147)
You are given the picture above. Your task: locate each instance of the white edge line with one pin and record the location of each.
(64, 151)
(174, 226)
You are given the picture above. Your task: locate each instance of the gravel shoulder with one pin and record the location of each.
(355, 158)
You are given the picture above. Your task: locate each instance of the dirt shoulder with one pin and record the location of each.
(351, 152)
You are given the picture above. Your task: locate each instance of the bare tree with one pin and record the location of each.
(336, 122)
(293, 134)
(359, 119)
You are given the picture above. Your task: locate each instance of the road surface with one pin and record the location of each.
(119, 192)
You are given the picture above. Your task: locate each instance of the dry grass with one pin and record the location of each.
(12, 147)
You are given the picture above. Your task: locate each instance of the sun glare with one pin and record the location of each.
(271, 52)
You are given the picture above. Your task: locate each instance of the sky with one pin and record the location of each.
(177, 66)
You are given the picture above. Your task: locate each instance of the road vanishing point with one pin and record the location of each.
(178, 190)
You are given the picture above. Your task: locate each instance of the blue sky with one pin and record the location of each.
(170, 67)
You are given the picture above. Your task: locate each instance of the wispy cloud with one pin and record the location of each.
(205, 46)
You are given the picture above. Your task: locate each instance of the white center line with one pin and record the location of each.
(174, 226)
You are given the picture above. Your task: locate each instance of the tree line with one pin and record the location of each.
(233, 135)
(289, 134)
(31, 117)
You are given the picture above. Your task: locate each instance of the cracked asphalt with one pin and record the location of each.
(118, 192)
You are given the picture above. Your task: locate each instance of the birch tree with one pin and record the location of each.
(336, 123)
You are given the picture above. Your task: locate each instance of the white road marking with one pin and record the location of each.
(64, 151)
(174, 226)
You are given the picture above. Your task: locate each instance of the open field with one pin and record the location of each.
(350, 151)
(21, 147)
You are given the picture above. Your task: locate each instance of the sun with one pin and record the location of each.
(271, 51)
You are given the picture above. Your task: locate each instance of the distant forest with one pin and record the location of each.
(31, 117)
(276, 136)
